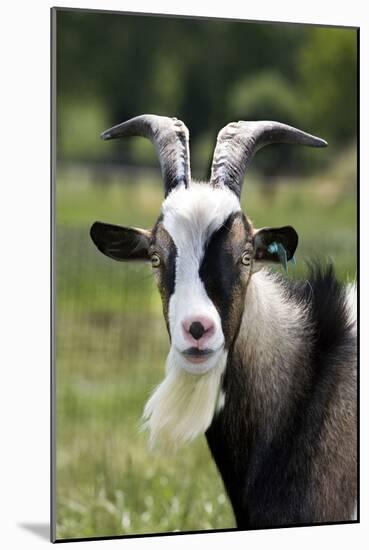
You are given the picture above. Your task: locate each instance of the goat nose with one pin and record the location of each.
(196, 330)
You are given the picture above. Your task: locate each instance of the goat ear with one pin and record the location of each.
(275, 244)
(121, 243)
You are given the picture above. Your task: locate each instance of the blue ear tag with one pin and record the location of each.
(278, 248)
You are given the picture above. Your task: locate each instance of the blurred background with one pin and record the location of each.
(111, 341)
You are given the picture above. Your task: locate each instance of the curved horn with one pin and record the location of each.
(170, 137)
(238, 142)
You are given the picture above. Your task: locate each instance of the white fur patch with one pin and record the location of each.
(267, 317)
(351, 301)
(191, 216)
(183, 405)
(220, 402)
(266, 343)
(199, 210)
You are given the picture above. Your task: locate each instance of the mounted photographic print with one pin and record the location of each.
(204, 274)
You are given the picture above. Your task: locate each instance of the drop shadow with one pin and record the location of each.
(42, 530)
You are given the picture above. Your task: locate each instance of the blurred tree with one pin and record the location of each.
(267, 96)
(79, 127)
(111, 67)
(328, 81)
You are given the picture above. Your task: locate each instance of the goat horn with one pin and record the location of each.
(238, 142)
(171, 139)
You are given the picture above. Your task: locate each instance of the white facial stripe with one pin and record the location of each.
(191, 216)
(183, 405)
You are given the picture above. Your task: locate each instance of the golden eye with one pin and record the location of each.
(245, 259)
(155, 260)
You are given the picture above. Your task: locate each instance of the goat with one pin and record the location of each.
(263, 366)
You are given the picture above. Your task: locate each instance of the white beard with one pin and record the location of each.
(183, 405)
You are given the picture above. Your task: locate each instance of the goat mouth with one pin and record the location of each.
(195, 355)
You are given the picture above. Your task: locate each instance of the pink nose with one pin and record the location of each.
(198, 330)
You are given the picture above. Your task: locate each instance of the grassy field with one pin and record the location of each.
(111, 346)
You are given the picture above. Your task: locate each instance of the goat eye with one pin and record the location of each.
(245, 258)
(155, 260)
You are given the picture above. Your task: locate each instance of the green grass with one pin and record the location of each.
(111, 348)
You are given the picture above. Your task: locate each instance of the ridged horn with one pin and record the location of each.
(171, 139)
(238, 142)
